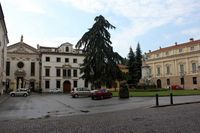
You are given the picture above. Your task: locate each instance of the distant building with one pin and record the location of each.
(175, 65)
(22, 66)
(60, 68)
(3, 53)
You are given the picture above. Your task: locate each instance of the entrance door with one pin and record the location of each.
(159, 84)
(32, 86)
(66, 87)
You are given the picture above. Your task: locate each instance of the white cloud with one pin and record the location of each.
(87, 5)
(144, 15)
(28, 6)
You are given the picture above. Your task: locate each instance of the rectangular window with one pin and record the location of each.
(47, 59)
(158, 71)
(194, 67)
(75, 83)
(58, 59)
(194, 80)
(69, 73)
(182, 81)
(67, 49)
(167, 53)
(7, 68)
(168, 70)
(58, 72)
(180, 50)
(57, 83)
(75, 73)
(32, 68)
(47, 84)
(192, 48)
(168, 81)
(47, 72)
(64, 73)
(86, 83)
(74, 60)
(182, 69)
(66, 60)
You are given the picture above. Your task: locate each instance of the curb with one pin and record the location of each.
(175, 104)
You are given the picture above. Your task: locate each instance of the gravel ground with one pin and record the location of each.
(172, 119)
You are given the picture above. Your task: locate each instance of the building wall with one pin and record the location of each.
(3, 51)
(53, 65)
(14, 59)
(169, 60)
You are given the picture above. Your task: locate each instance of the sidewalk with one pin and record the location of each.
(177, 100)
(3, 98)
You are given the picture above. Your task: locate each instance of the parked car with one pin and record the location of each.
(81, 91)
(19, 92)
(101, 94)
(25, 89)
(177, 87)
(56, 90)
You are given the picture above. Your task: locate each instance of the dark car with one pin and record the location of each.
(101, 94)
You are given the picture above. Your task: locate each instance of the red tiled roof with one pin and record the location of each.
(176, 46)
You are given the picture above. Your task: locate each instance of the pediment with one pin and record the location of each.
(20, 48)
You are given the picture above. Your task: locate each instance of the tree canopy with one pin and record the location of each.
(132, 68)
(100, 62)
(138, 62)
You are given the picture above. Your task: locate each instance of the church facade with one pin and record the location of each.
(22, 66)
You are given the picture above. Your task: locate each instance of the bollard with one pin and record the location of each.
(157, 102)
(171, 98)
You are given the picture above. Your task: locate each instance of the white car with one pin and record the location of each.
(56, 90)
(81, 91)
(19, 93)
(25, 89)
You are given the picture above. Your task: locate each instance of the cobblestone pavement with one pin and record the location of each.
(45, 105)
(171, 119)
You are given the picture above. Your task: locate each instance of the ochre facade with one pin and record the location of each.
(175, 65)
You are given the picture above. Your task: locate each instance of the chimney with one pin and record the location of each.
(160, 47)
(191, 39)
(149, 51)
(176, 43)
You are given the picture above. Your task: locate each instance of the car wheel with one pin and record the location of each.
(25, 95)
(76, 95)
(12, 95)
(92, 97)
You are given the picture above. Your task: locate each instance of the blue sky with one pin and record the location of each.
(152, 23)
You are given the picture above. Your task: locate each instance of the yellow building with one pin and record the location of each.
(175, 65)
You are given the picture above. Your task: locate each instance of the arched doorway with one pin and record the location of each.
(66, 86)
(159, 84)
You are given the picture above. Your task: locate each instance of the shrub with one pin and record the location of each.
(124, 92)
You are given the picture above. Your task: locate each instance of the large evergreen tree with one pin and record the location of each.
(138, 63)
(100, 63)
(132, 68)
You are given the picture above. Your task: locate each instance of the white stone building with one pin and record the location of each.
(3, 47)
(22, 66)
(60, 68)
